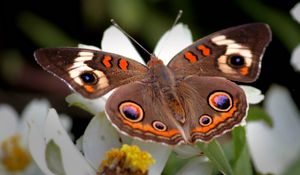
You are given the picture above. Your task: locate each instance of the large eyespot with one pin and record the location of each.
(88, 78)
(220, 101)
(160, 126)
(131, 111)
(236, 60)
(205, 120)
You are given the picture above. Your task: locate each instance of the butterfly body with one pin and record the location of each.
(190, 99)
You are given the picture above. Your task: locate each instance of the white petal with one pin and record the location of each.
(32, 169)
(295, 58)
(66, 121)
(295, 12)
(197, 166)
(253, 94)
(159, 152)
(107, 95)
(115, 41)
(37, 147)
(8, 122)
(84, 46)
(273, 149)
(172, 42)
(94, 106)
(36, 111)
(74, 162)
(99, 137)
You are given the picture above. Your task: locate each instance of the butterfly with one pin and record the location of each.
(190, 99)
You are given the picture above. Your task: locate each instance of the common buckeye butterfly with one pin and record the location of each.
(190, 99)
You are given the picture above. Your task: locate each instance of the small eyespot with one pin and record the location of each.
(236, 60)
(220, 101)
(131, 111)
(160, 126)
(205, 120)
(88, 77)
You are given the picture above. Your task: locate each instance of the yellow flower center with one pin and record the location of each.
(14, 157)
(127, 160)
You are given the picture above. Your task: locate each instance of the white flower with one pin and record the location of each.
(274, 149)
(295, 58)
(14, 154)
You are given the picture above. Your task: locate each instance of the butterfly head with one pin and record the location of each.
(154, 61)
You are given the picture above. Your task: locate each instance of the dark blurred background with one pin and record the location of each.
(28, 25)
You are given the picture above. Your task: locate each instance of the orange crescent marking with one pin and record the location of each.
(123, 64)
(106, 61)
(244, 71)
(216, 120)
(89, 88)
(149, 128)
(205, 50)
(190, 57)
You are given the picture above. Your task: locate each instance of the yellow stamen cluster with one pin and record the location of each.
(127, 160)
(14, 157)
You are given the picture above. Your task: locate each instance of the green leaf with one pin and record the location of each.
(42, 32)
(174, 164)
(241, 160)
(257, 113)
(215, 153)
(54, 159)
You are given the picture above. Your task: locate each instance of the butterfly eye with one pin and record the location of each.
(220, 101)
(236, 60)
(131, 111)
(88, 77)
(159, 126)
(205, 120)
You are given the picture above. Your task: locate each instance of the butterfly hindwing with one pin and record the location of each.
(139, 110)
(213, 106)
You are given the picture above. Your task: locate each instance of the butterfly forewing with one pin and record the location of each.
(233, 53)
(91, 73)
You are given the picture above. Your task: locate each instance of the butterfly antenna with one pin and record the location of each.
(177, 18)
(174, 23)
(125, 33)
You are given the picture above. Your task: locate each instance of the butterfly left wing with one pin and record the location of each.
(233, 53)
(89, 72)
(139, 110)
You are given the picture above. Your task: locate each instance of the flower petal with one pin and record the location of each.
(159, 152)
(172, 42)
(295, 58)
(37, 147)
(99, 137)
(36, 111)
(66, 121)
(273, 149)
(94, 106)
(84, 46)
(197, 166)
(8, 121)
(295, 12)
(115, 41)
(253, 94)
(74, 162)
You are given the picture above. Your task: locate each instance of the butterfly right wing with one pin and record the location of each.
(91, 73)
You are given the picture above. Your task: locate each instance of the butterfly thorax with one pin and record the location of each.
(165, 83)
